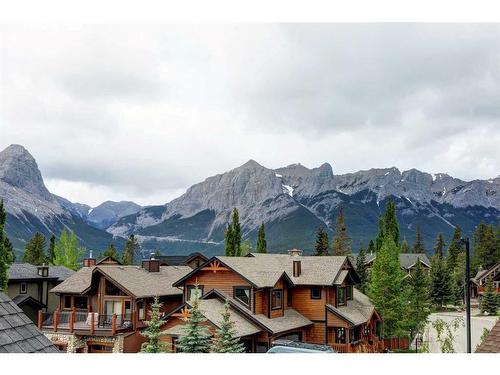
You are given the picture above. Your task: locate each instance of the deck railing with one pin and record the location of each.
(83, 321)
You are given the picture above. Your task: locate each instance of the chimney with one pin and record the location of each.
(295, 252)
(151, 264)
(297, 268)
(43, 270)
(90, 261)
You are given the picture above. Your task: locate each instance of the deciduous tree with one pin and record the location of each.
(67, 251)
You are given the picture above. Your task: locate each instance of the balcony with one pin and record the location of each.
(85, 322)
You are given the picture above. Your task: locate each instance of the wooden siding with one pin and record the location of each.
(261, 301)
(313, 309)
(316, 334)
(334, 320)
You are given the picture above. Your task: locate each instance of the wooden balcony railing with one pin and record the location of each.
(83, 321)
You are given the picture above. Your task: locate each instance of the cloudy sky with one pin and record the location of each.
(142, 112)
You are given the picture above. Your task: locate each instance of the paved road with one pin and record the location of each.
(478, 323)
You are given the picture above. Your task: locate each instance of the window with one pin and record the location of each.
(128, 310)
(315, 293)
(67, 302)
(242, 294)
(340, 335)
(140, 310)
(112, 290)
(348, 291)
(23, 288)
(194, 292)
(80, 302)
(277, 299)
(341, 296)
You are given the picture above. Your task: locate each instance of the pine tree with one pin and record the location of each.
(458, 279)
(131, 248)
(341, 241)
(380, 233)
(51, 253)
(261, 240)
(225, 340)
(67, 251)
(195, 337)
(419, 301)
(486, 252)
(34, 252)
(418, 246)
(455, 248)
(405, 248)
(391, 222)
(371, 247)
(321, 242)
(362, 270)
(153, 331)
(440, 245)
(229, 241)
(4, 265)
(110, 252)
(235, 223)
(489, 299)
(385, 288)
(441, 289)
(9, 251)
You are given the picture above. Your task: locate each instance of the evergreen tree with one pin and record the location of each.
(441, 289)
(246, 248)
(385, 289)
(131, 248)
(195, 337)
(440, 245)
(225, 340)
(110, 252)
(362, 270)
(261, 240)
(34, 252)
(489, 299)
(341, 241)
(458, 279)
(4, 258)
(419, 301)
(235, 223)
(229, 241)
(67, 251)
(371, 247)
(405, 248)
(455, 248)
(418, 246)
(9, 251)
(391, 222)
(51, 253)
(380, 233)
(321, 242)
(486, 252)
(153, 332)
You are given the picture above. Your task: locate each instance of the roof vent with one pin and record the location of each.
(295, 252)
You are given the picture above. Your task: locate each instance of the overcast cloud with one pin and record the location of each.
(142, 112)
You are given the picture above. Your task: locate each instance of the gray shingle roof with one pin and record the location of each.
(406, 260)
(135, 279)
(357, 311)
(491, 343)
(18, 334)
(20, 271)
(264, 270)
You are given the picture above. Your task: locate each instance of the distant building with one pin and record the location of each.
(479, 281)
(407, 261)
(192, 260)
(18, 334)
(29, 286)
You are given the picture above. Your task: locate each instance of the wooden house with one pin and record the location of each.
(192, 260)
(281, 296)
(478, 283)
(407, 261)
(103, 306)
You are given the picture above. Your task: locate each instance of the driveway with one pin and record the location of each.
(478, 323)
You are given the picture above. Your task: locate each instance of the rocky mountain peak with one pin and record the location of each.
(19, 169)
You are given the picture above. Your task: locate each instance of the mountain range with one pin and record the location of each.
(292, 202)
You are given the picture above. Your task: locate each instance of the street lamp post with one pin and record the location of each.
(467, 290)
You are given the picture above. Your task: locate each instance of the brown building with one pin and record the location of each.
(29, 285)
(407, 261)
(303, 298)
(103, 306)
(479, 281)
(192, 260)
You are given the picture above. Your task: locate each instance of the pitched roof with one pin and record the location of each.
(179, 260)
(134, 279)
(20, 299)
(25, 271)
(492, 342)
(481, 274)
(18, 334)
(264, 270)
(406, 260)
(356, 311)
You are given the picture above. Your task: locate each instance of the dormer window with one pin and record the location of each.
(341, 296)
(348, 292)
(277, 299)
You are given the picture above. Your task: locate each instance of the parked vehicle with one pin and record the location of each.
(289, 346)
